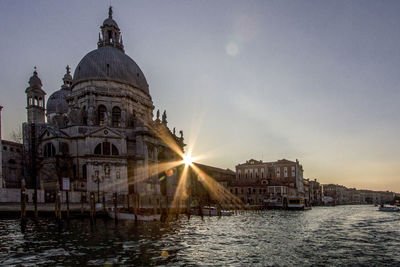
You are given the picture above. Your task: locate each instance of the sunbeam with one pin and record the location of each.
(218, 192)
(181, 193)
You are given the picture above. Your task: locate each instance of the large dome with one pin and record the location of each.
(110, 63)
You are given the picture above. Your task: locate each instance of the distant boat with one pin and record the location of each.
(389, 209)
(295, 203)
(125, 215)
(211, 211)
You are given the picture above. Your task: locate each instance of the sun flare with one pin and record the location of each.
(187, 160)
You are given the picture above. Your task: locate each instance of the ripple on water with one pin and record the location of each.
(342, 235)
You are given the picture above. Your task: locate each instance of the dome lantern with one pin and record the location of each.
(67, 78)
(35, 81)
(110, 33)
(109, 62)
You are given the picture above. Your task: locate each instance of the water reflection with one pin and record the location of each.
(333, 236)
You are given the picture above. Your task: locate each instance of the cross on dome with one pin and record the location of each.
(110, 12)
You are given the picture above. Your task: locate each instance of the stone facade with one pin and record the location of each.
(100, 130)
(12, 164)
(315, 193)
(342, 195)
(259, 182)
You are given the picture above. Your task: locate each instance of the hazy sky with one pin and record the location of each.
(313, 80)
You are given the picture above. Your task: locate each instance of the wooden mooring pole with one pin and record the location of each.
(67, 199)
(188, 207)
(57, 207)
(127, 202)
(81, 203)
(115, 199)
(154, 206)
(23, 202)
(104, 203)
(92, 207)
(135, 206)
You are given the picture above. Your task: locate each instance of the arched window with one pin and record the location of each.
(133, 121)
(64, 148)
(84, 115)
(84, 171)
(115, 151)
(97, 150)
(74, 171)
(150, 152)
(36, 101)
(40, 102)
(49, 150)
(101, 114)
(116, 117)
(106, 149)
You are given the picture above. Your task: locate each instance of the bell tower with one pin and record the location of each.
(35, 100)
(1, 154)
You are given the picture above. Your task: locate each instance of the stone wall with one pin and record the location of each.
(13, 195)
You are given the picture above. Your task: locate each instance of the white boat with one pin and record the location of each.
(212, 211)
(123, 215)
(389, 209)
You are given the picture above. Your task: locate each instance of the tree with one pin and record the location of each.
(16, 135)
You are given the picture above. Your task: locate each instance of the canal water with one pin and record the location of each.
(342, 235)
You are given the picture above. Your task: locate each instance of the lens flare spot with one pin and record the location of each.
(169, 172)
(232, 49)
(164, 254)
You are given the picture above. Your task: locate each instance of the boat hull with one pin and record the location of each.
(212, 212)
(295, 207)
(131, 216)
(389, 209)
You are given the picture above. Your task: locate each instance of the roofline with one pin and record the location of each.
(10, 142)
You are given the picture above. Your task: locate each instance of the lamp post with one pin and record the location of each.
(96, 178)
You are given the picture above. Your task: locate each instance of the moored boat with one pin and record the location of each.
(295, 203)
(389, 208)
(125, 215)
(211, 211)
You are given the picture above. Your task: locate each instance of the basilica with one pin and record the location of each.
(98, 129)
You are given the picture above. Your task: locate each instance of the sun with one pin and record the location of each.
(187, 160)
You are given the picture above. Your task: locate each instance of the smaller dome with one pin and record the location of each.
(57, 102)
(110, 22)
(35, 80)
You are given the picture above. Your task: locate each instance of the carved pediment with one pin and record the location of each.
(104, 132)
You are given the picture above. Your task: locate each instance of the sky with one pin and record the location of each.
(316, 81)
